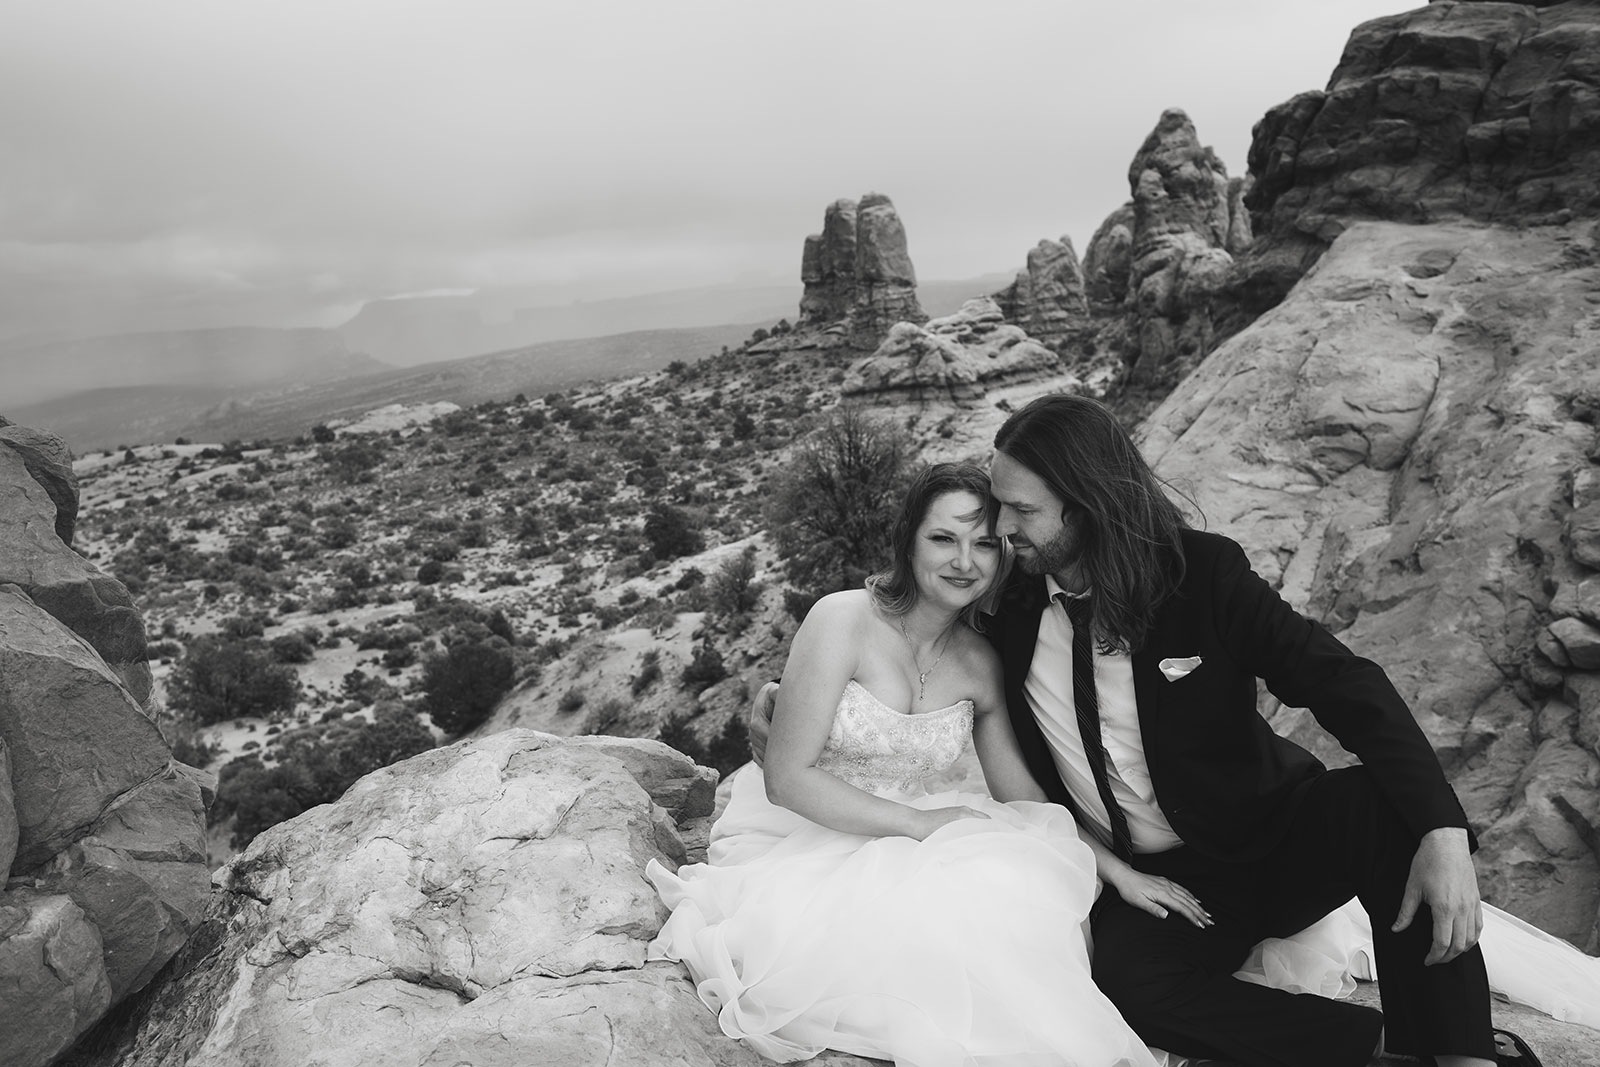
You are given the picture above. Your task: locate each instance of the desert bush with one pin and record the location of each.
(462, 685)
(222, 677)
(705, 667)
(315, 765)
(649, 672)
(733, 590)
(726, 754)
(835, 503)
(293, 648)
(670, 533)
(570, 701)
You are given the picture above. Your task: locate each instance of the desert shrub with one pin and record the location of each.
(733, 590)
(835, 503)
(462, 685)
(430, 572)
(605, 717)
(705, 667)
(222, 677)
(649, 672)
(293, 648)
(726, 754)
(315, 765)
(570, 701)
(670, 533)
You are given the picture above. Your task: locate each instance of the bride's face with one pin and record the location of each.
(956, 554)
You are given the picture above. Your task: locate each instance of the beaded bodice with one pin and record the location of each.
(883, 751)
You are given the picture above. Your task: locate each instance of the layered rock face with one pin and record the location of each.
(1486, 111)
(1408, 444)
(956, 378)
(1158, 266)
(102, 835)
(1048, 299)
(483, 903)
(858, 274)
(1151, 295)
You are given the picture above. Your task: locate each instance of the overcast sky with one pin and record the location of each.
(200, 162)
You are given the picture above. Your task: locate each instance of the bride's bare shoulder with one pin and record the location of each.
(848, 607)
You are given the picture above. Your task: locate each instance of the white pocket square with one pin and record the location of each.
(1173, 669)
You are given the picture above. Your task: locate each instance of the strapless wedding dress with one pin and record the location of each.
(968, 949)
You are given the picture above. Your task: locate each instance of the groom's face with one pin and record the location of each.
(1042, 530)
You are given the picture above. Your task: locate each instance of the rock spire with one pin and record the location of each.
(857, 272)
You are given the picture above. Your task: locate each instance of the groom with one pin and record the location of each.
(1140, 718)
(1186, 781)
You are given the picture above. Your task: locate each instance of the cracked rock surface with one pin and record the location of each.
(483, 903)
(1403, 444)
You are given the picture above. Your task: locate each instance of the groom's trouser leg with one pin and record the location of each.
(1347, 840)
(1174, 983)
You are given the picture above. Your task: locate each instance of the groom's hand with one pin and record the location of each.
(1442, 877)
(760, 724)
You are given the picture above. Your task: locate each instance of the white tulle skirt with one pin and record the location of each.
(970, 949)
(967, 948)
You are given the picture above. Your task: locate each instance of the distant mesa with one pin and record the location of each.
(858, 274)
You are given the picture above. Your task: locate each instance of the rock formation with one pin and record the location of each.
(1408, 444)
(1048, 300)
(100, 832)
(957, 378)
(1487, 111)
(857, 273)
(483, 903)
(1151, 293)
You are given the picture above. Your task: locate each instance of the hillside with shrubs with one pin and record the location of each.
(626, 557)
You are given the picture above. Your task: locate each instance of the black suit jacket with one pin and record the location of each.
(1228, 785)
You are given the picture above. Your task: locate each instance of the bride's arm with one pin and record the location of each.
(1004, 770)
(824, 656)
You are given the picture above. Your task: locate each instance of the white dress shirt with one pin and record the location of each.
(1049, 691)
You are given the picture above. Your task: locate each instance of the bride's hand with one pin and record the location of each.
(1159, 896)
(930, 819)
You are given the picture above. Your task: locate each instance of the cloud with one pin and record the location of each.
(299, 156)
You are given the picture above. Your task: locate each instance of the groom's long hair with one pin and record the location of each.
(1132, 551)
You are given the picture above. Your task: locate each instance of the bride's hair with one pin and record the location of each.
(894, 590)
(1132, 553)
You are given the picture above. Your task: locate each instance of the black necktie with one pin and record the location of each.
(1087, 705)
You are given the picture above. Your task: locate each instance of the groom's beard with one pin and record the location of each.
(1053, 556)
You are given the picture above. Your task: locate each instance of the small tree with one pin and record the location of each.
(733, 590)
(705, 667)
(463, 685)
(833, 507)
(670, 533)
(222, 677)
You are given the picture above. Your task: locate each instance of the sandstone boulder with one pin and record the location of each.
(77, 739)
(33, 556)
(1394, 445)
(956, 378)
(51, 976)
(49, 461)
(483, 903)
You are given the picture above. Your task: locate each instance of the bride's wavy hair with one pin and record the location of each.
(894, 589)
(1132, 551)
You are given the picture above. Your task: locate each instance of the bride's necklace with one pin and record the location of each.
(922, 675)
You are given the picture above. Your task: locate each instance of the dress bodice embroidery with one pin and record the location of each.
(884, 751)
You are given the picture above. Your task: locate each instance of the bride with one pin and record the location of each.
(845, 907)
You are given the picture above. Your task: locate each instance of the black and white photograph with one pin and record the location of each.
(685, 533)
